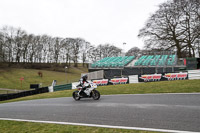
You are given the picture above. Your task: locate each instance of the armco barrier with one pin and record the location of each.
(62, 87)
(23, 94)
(194, 74)
(133, 79)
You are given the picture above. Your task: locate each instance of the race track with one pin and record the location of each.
(158, 111)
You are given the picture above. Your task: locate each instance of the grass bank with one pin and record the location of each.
(29, 127)
(180, 86)
(8, 91)
(10, 78)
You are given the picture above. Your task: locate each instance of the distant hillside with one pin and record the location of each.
(10, 77)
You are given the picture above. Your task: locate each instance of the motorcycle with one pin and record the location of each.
(89, 92)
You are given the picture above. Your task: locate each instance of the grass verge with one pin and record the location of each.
(5, 92)
(30, 127)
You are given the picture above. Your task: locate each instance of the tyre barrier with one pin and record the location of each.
(4, 97)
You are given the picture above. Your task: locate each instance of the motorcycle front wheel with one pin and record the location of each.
(75, 95)
(95, 95)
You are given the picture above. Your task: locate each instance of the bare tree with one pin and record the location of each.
(8, 36)
(174, 25)
(1, 47)
(67, 45)
(107, 50)
(57, 47)
(135, 51)
(33, 49)
(85, 51)
(25, 46)
(45, 47)
(16, 45)
(76, 43)
(92, 53)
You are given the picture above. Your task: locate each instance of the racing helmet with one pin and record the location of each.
(85, 77)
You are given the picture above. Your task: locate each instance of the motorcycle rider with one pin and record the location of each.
(82, 81)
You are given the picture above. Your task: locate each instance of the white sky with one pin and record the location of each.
(97, 21)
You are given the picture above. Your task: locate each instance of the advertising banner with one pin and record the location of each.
(148, 78)
(176, 76)
(119, 81)
(101, 82)
(162, 77)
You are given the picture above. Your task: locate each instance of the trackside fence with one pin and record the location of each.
(187, 75)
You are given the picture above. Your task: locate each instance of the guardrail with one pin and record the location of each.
(194, 74)
(23, 94)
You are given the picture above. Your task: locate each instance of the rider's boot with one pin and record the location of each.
(81, 93)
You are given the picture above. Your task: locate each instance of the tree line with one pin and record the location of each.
(175, 26)
(16, 45)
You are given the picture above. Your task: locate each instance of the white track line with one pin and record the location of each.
(155, 94)
(96, 125)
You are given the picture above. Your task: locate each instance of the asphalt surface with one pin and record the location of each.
(160, 111)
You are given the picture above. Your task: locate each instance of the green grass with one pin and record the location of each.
(10, 78)
(7, 91)
(181, 86)
(29, 127)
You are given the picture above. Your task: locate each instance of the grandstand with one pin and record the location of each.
(157, 62)
(113, 62)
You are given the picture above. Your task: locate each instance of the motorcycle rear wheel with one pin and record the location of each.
(95, 95)
(75, 95)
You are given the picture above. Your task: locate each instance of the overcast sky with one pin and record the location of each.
(97, 21)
